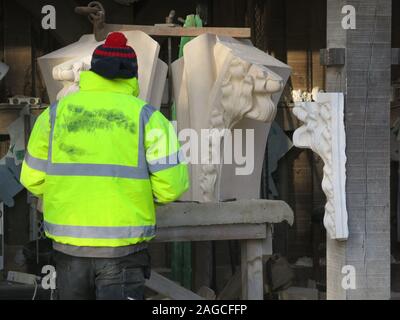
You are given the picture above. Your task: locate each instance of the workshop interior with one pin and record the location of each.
(311, 209)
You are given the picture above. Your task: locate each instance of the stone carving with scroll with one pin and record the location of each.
(61, 68)
(323, 132)
(69, 74)
(221, 83)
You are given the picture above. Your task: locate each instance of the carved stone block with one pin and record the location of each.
(323, 132)
(225, 84)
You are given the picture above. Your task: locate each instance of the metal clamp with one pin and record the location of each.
(97, 16)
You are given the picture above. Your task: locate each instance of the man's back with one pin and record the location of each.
(99, 182)
(100, 158)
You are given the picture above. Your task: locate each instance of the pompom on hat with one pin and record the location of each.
(115, 59)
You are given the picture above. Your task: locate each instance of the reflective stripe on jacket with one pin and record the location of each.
(100, 158)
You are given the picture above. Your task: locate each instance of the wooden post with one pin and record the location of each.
(252, 270)
(365, 80)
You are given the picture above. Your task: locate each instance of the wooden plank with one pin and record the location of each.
(317, 41)
(297, 42)
(181, 32)
(301, 201)
(170, 289)
(215, 232)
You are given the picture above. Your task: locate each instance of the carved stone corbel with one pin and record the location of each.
(323, 132)
(245, 92)
(220, 85)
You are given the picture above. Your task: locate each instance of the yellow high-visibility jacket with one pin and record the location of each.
(100, 158)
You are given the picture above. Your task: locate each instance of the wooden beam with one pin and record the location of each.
(180, 31)
(170, 289)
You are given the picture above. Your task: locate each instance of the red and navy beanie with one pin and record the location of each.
(114, 59)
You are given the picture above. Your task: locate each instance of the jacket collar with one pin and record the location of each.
(90, 81)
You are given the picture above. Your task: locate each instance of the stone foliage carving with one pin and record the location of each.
(323, 132)
(223, 84)
(245, 92)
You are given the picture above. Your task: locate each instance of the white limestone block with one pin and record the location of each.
(159, 82)
(182, 112)
(323, 132)
(147, 50)
(180, 94)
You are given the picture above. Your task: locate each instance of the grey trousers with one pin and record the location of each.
(80, 278)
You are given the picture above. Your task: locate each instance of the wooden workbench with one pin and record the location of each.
(247, 220)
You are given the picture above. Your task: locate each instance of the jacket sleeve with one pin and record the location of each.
(33, 173)
(169, 176)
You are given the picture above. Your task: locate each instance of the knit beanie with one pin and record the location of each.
(114, 59)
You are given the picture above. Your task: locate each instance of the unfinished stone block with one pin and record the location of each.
(60, 68)
(323, 132)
